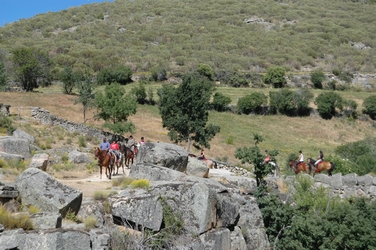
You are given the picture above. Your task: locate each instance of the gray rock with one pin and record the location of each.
(163, 154)
(365, 180)
(237, 240)
(139, 207)
(336, 180)
(322, 178)
(20, 134)
(39, 161)
(252, 225)
(197, 168)
(100, 240)
(218, 239)
(92, 208)
(8, 156)
(15, 146)
(78, 157)
(350, 180)
(39, 189)
(1, 228)
(46, 220)
(153, 172)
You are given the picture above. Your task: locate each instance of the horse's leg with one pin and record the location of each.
(100, 171)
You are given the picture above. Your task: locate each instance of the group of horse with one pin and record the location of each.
(108, 160)
(309, 167)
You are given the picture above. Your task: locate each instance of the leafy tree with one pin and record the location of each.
(369, 105)
(69, 79)
(252, 155)
(86, 95)
(317, 78)
(158, 75)
(349, 108)
(32, 68)
(290, 103)
(220, 102)
(252, 103)
(238, 80)
(184, 110)
(115, 107)
(139, 93)
(121, 74)
(327, 103)
(206, 70)
(275, 76)
(3, 77)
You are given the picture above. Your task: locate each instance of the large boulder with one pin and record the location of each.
(46, 220)
(78, 157)
(20, 134)
(39, 161)
(197, 168)
(39, 189)
(15, 146)
(163, 154)
(9, 157)
(92, 208)
(153, 172)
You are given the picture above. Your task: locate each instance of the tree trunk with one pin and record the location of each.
(189, 144)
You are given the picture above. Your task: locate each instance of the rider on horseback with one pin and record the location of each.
(105, 145)
(320, 158)
(114, 147)
(267, 158)
(300, 160)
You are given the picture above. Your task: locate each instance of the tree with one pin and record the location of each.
(327, 103)
(184, 110)
(290, 103)
(317, 78)
(115, 107)
(206, 70)
(32, 68)
(69, 79)
(220, 102)
(85, 93)
(121, 74)
(252, 155)
(369, 105)
(139, 93)
(252, 103)
(275, 76)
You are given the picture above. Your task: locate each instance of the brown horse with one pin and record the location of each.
(128, 154)
(104, 160)
(301, 167)
(119, 164)
(322, 166)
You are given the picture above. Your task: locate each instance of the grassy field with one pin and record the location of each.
(286, 134)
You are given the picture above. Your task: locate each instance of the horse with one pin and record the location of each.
(127, 153)
(209, 163)
(301, 167)
(322, 166)
(104, 160)
(118, 164)
(276, 169)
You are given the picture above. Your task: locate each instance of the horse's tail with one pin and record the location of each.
(331, 168)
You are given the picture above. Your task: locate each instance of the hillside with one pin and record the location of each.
(228, 35)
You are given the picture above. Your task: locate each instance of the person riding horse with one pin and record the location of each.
(114, 147)
(300, 160)
(319, 159)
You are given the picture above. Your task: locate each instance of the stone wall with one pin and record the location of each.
(44, 117)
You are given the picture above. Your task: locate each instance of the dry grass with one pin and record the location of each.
(287, 134)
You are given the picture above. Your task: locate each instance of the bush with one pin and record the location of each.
(220, 102)
(275, 76)
(141, 183)
(121, 75)
(159, 75)
(206, 70)
(7, 124)
(10, 221)
(237, 80)
(252, 103)
(90, 222)
(327, 103)
(82, 141)
(369, 105)
(290, 103)
(139, 93)
(317, 78)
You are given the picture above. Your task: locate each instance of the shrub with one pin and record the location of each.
(33, 210)
(6, 123)
(252, 103)
(317, 78)
(121, 74)
(159, 75)
(139, 93)
(220, 102)
(290, 103)
(82, 141)
(10, 221)
(90, 222)
(141, 183)
(275, 76)
(327, 103)
(369, 105)
(122, 182)
(237, 80)
(206, 70)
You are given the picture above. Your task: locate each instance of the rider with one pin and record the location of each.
(131, 143)
(105, 145)
(300, 159)
(141, 142)
(320, 158)
(267, 157)
(115, 149)
(202, 155)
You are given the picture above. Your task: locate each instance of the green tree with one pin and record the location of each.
(327, 103)
(139, 93)
(3, 76)
(184, 110)
(69, 79)
(220, 102)
(275, 76)
(317, 78)
(121, 74)
(369, 105)
(86, 95)
(252, 103)
(206, 70)
(114, 107)
(252, 155)
(32, 68)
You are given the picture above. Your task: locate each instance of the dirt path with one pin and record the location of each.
(90, 184)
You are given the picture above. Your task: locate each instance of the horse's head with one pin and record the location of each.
(96, 152)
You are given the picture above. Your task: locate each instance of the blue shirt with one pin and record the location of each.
(104, 145)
